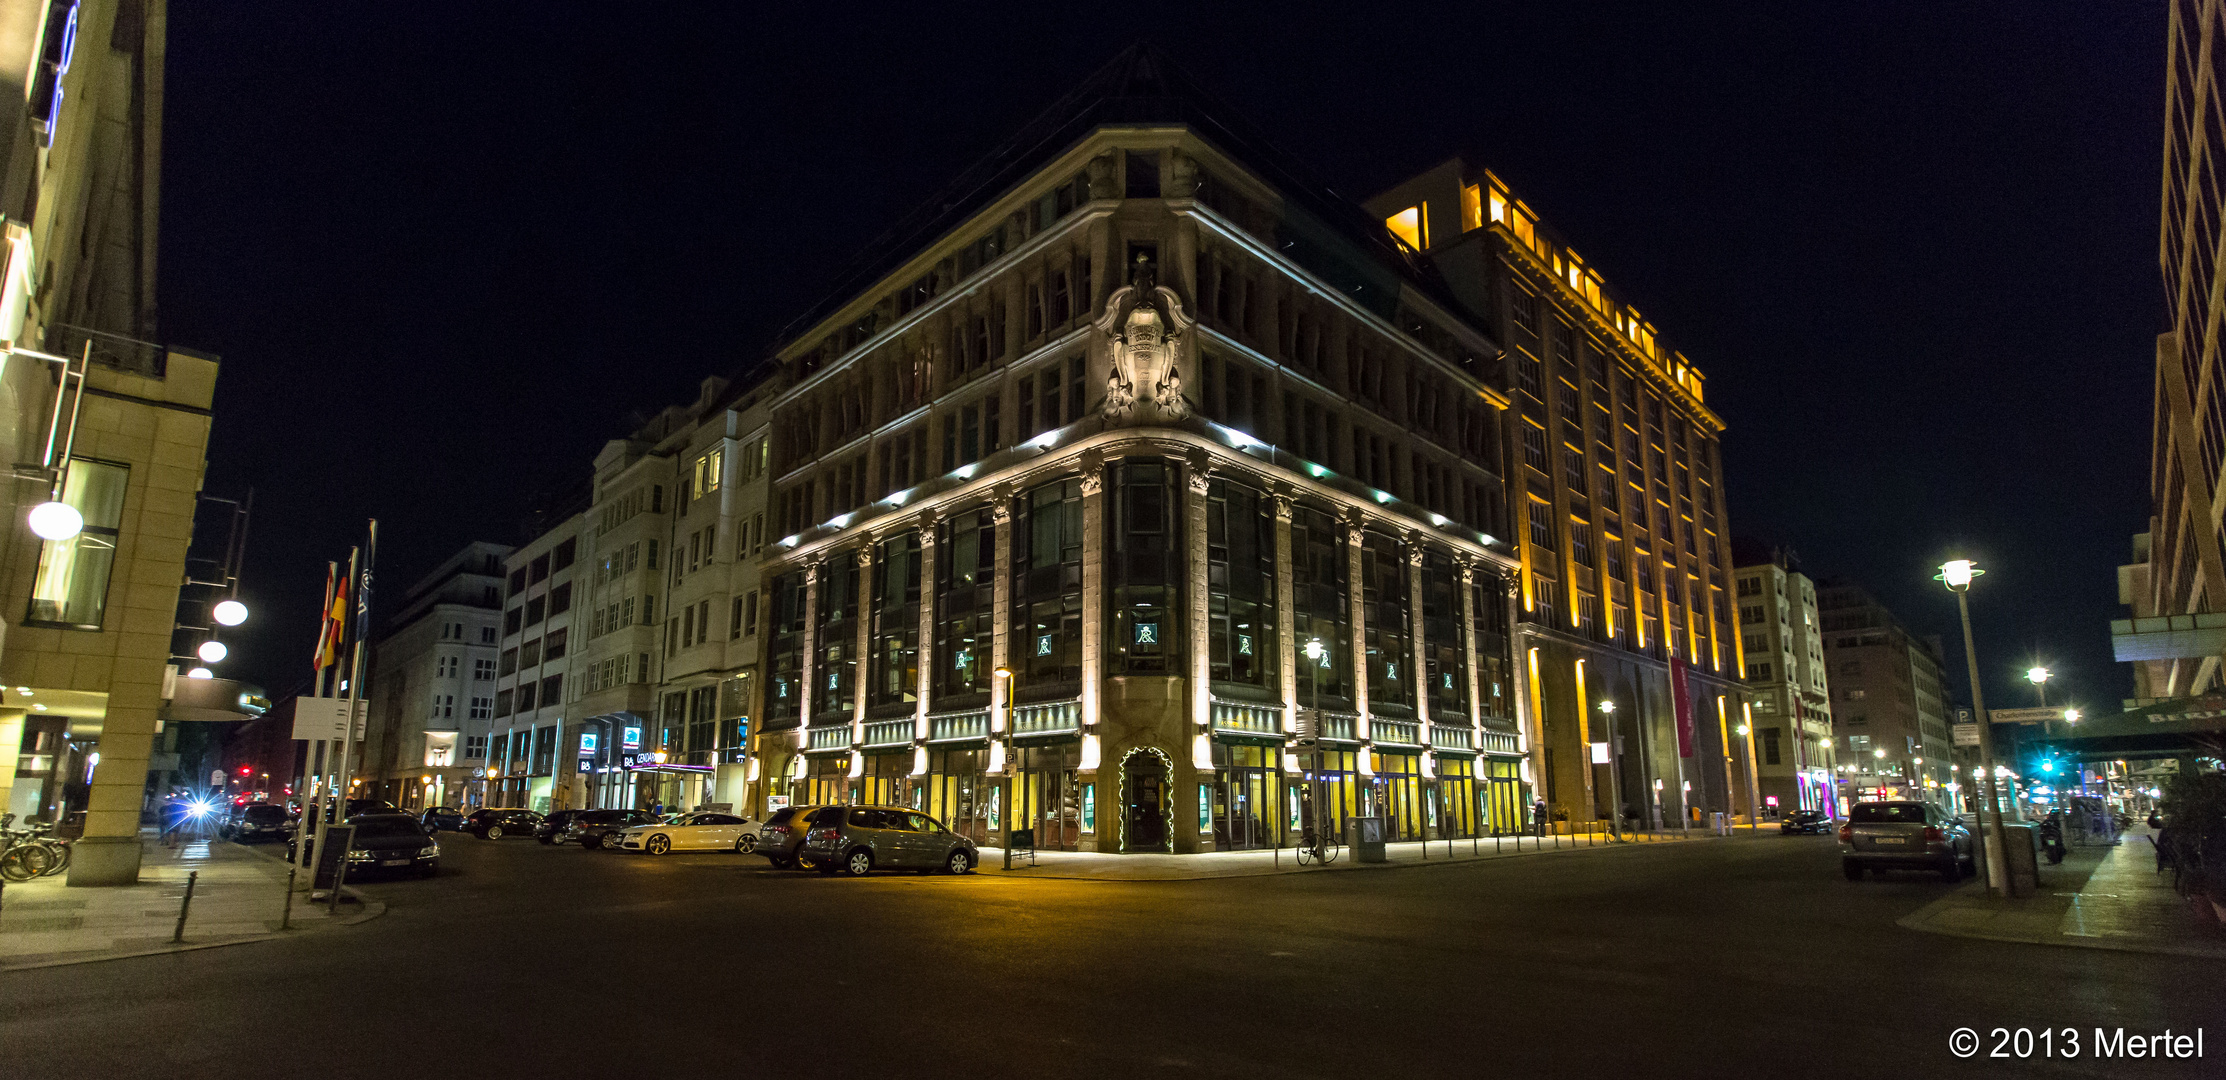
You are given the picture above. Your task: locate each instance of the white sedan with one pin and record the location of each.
(700, 831)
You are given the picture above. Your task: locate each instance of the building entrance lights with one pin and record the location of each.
(1957, 575)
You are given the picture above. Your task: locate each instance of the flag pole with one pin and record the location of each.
(312, 765)
(337, 771)
(357, 661)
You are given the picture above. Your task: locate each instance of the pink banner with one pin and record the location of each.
(1684, 707)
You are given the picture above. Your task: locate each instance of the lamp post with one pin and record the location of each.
(1957, 574)
(1615, 775)
(1005, 816)
(1754, 784)
(1314, 651)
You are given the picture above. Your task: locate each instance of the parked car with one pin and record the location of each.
(702, 831)
(257, 821)
(551, 828)
(494, 824)
(1903, 835)
(783, 833)
(593, 829)
(359, 807)
(386, 843)
(858, 839)
(1805, 821)
(442, 818)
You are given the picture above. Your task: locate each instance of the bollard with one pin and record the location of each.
(286, 918)
(186, 906)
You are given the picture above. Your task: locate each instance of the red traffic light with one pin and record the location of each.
(246, 770)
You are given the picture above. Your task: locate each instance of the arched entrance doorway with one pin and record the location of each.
(1147, 783)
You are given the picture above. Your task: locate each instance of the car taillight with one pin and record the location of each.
(1847, 834)
(1933, 835)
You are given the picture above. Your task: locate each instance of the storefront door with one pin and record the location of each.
(1047, 796)
(1144, 784)
(1398, 801)
(1244, 797)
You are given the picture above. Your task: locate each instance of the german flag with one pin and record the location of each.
(332, 633)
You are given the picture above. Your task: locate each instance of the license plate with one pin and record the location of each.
(395, 862)
(1888, 840)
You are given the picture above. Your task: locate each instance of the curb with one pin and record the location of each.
(1413, 864)
(1917, 920)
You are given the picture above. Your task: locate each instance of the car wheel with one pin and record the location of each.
(660, 844)
(960, 862)
(1853, 869)
(745, 844)
(494, 832)
(859, 863)
(780, 862)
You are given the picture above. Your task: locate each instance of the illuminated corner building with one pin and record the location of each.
(1781, 637)
(1135, 414)
(2177, 580)
(90, 617)
(1615, 501)
(1889, 707)
(432, 676)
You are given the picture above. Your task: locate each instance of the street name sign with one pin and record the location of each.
(2026, 716)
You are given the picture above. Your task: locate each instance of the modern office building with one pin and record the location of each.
(1796, 760)
(514, 758)
(89, 617)
(1145, 496)
(2177, 582)
(432, 675)
(1615, 501)
(1888, 705)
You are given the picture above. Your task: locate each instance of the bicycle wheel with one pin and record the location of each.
(60, 850)
(24, 862)
(1330, 852)
(1305, 854)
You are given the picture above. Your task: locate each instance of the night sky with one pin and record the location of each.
(446, 251)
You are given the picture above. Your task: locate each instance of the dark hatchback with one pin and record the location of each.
(387, 844)
(596, 829)
(496, 824)
(258, 821)
(1806, 821)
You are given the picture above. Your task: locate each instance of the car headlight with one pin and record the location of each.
(360, 855)
(429, 851)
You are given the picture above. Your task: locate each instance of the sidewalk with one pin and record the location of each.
(2098, 898)
(1097, 866)
(239, 897)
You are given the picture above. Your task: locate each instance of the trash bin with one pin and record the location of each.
(1365, 835)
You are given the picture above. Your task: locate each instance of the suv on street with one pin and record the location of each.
(1805, 821)
(783, 833)
(257, 821)
(1903, 835)
(594, 830)
(498, 823)
(854, 840)
(551, 829)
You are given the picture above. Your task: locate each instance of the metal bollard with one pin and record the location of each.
(177, 937)
(286, 919)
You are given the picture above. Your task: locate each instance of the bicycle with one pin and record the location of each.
(22, 859)
(1312, 851)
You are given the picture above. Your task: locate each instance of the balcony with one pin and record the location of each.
(1051, 718)
(1246, 719)
(830, 738)
(959, 727)
(885, 733)
(1394, 732)
(1451, 737)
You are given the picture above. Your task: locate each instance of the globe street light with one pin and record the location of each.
(1956, 574)
(229, 612)
(212, 652)
(54, 520)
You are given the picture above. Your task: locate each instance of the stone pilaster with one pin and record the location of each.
(1001, 608)
(861, 664)
(1093, 588)
(1197, 480)
(928, 593)
(1286, 618)
(1357, 609)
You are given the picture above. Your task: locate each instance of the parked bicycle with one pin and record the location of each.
(30, 853)
(1315, 851)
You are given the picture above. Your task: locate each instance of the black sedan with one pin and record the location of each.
(552, 828)
(257, 821)
(1805, 821)
(495, 824)
(386, 843)
(593, 828)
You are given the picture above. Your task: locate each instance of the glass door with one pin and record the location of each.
(1244, 798)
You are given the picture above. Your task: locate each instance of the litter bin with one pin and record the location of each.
(1365, 835)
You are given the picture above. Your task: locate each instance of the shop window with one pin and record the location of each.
(1388, 628)
(1240, 586)
(966, 565)
(1047, 588)
(895, 678)
(1144, 556)
(834, 667)
(785, 655)
(1321, 602)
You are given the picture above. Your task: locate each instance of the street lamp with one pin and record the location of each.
(1315, 650)
(1006, 817)
(1956, 574)
(1754, 782)
(1615, 776)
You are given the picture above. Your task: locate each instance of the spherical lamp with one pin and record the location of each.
(56, 520)
(229, 612)
(212, 651)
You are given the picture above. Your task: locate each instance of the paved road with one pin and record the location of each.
(1739, 958)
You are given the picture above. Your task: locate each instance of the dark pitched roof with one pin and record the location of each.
(1138, 86)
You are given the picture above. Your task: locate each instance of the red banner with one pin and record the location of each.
(1684, 707)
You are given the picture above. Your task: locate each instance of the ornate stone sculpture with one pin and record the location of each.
(1145, 325)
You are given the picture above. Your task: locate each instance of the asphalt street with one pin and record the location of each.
(1739, 958)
